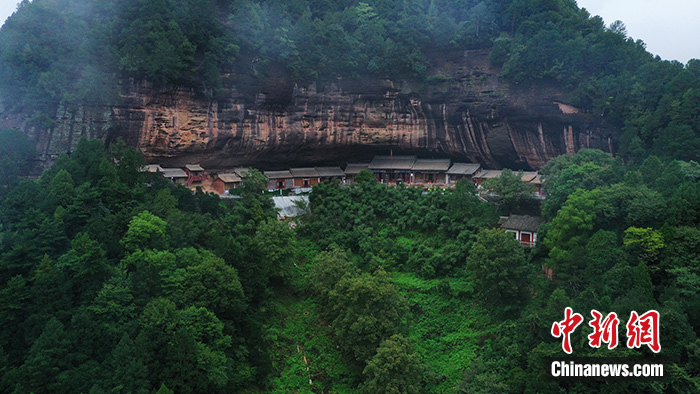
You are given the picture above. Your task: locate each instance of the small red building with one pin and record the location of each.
(524, 228)
(278, 180)
(195, 174)
(225, 182)
(305, 177)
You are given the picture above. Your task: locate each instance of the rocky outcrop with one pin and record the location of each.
(462, 112)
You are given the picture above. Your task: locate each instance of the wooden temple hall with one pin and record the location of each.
(412, 170)
(391, 169)
(302, 178)
(415, 171)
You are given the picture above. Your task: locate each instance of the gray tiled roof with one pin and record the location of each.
(528, 176)
(463, 169)
(392, 163)
(229, 177)
(194, 167)
(355, 168)
(241, 170)
(523, 223)
(278, 174)
(174, 173)
(487, 174)
(330, 171)
(431, 165)
(306, 172)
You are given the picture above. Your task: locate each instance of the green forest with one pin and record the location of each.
(115, 280)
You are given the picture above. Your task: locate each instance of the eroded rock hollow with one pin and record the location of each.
(462, 111)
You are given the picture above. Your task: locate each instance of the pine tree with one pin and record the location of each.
(128, 373)
(46, 359)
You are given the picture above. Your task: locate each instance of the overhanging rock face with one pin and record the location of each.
(469, 115)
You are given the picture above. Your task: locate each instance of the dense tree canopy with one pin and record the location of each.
(112, 302)
(117, 280)
(16, 151)
(510, 194)
(498, 265)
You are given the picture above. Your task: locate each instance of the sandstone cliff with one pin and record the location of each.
(462, 112)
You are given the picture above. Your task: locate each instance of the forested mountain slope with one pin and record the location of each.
(230, 82)
(115, 280)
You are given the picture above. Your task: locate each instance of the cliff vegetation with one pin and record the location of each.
(73, 52)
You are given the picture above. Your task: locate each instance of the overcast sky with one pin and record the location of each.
(7, 7)
(668, 27)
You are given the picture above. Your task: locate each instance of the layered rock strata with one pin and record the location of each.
(462, 111)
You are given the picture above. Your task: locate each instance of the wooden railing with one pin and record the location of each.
(192, 178)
